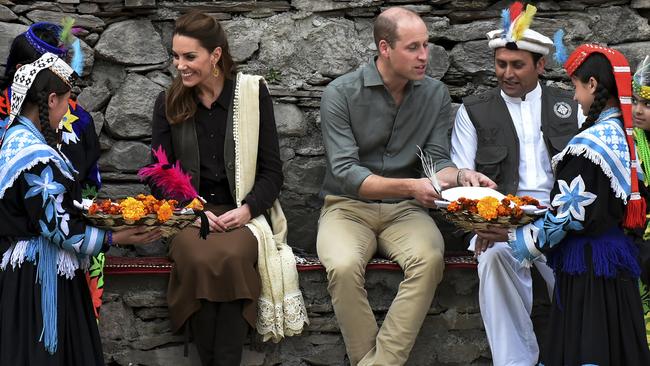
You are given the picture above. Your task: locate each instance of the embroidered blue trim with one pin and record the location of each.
(605, 145)
(23, 148)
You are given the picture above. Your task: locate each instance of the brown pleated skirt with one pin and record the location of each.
(221, 268)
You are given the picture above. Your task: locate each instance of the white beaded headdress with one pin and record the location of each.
(26, 75)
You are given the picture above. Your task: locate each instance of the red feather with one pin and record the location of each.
(170, 179)
(515, 9)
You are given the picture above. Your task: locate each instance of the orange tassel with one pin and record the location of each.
(635, 213)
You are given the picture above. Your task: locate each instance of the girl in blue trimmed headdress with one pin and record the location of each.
(80, 143)
(596, 317)
(46, 313)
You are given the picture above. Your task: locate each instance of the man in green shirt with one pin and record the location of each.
(372, 120)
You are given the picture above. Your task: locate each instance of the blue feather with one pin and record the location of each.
(505, 19)
(77, 62)
(560, 55)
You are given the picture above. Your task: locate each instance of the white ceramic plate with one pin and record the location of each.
(475, 193)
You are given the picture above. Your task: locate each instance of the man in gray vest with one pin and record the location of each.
(510, 134)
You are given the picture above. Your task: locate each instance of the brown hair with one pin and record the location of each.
(385, 26)
(179, 102)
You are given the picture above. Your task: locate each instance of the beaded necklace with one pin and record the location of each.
(644, 152)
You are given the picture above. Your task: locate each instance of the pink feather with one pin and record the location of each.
(171, 180)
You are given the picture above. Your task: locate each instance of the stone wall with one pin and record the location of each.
(299, 46)
(135, 329)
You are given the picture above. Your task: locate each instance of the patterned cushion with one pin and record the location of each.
(162, 265)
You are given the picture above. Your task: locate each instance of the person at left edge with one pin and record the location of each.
(79, 142)
(46, 313)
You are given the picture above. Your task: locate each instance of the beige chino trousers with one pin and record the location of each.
(350, 232)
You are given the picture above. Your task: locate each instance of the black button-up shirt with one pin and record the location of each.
(211, 134)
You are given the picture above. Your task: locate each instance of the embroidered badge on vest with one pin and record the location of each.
(562, 109)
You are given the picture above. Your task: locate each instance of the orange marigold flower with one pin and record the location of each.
(454, 207)
(503, 210)
(487, 207)
(165, 212)
(528, 200)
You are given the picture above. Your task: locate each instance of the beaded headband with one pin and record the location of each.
(40, 45)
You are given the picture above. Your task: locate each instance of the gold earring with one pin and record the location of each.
(215, 71)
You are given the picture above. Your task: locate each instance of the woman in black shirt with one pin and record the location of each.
(214, 285)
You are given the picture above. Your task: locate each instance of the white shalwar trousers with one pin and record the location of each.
(506, 301)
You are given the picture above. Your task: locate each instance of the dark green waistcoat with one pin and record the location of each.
(497, 154)
(186, 149)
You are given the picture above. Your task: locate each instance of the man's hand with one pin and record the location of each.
(486, 238)
(481, 245)
(422, 190)
(471, 178)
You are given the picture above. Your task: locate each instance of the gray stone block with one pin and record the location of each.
(6, 14)
(129, 112)
(8, 31)
(131, 42)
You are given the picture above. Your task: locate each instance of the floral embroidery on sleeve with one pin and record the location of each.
(572, 199)
(54, 224)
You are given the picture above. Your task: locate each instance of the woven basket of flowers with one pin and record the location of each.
(471, 213)
(142, 210)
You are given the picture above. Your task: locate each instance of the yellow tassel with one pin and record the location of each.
(522, 22)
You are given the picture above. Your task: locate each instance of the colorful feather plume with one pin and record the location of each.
(514, 11)
(523, 22)
(66, 30)
(560, 55)
(169, 178)
(505, 21)
(77, 62)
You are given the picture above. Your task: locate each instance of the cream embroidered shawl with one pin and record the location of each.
(281, 309)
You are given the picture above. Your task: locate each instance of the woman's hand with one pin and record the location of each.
(215, 222)
(136, 236)
(237, 217)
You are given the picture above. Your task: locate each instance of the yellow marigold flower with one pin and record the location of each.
(487, 207)
(164, 212)
(132, 209)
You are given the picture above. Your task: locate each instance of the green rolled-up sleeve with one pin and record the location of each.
(341, 146)
(438, 144)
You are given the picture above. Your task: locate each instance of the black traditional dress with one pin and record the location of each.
(46, 313)
(596, 318)
(80, 144)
